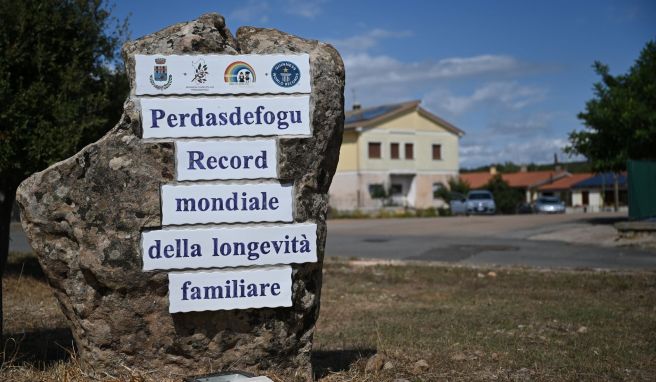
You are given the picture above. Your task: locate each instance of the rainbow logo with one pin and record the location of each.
(239, 73)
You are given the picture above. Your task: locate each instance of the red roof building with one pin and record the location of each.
(476, 179)
(566, 183)
(528, 181)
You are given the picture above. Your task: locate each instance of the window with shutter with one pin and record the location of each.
(437, 152)
(409, 151)
(394, 151)
(374, 150)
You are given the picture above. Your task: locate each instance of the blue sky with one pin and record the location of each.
(511, 74)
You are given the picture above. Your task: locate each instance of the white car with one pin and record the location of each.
(476, 202)
(549, 205)
(481, 202)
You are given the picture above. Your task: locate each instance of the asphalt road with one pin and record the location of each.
(490, 240)
(477, 240)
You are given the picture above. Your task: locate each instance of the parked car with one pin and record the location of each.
(549, 205)
(458, 204)
(480, 202)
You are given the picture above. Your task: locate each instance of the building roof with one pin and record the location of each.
(566, 182)
(606, 179)
(476, 179)
(522, 179)
(533, 178)
(374, 115)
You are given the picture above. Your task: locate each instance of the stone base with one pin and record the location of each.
(84, 217)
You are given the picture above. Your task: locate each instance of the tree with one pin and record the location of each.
(456, 186)
(620, 120)
(61, 87)
(506, 167)
(505, 197)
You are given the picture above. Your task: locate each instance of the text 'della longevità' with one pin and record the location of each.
(219, 247)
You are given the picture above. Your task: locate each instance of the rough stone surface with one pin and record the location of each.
(375, 363)
(83, 217)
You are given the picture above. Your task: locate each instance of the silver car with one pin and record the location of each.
(549, 205)
(458, 204)
(480, 202)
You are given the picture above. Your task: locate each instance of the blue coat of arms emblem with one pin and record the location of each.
(160, 79)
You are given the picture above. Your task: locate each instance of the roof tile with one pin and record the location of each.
(517, 179)
(565, 183)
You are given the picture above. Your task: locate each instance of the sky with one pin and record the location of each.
(512, 74)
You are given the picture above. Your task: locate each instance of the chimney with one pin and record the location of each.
(493, 170)
(357, 106)
(524, 168)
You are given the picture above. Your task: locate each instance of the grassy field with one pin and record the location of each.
(414, 322)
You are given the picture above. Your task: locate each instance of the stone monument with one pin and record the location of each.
(190, 238)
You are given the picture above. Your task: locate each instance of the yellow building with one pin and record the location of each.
(402, 151)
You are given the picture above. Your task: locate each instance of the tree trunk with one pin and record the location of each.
(5, 225)
(616, 183)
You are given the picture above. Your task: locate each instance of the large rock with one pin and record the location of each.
(84, 216)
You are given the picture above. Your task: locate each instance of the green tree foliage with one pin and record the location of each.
(506, 167)
(505, 197)
(456, 186)
(61, 87)
(621, 118)
(377, 191)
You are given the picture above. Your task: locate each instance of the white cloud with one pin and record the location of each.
(502, 130)
(367, 40)
(522, 126)
(308, 9)
(383, 78)
(364, 70)
(251, 11)
(508, 94)
(260, 10)
(539, 149)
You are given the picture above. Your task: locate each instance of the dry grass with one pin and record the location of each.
(466, 324)
(507, 325)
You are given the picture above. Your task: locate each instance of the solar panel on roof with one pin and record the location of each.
(369, 114)
(599, 180)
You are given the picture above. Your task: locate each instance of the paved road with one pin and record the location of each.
(488, 240)
(477, 240)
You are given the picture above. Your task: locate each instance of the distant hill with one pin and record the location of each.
(510, 167)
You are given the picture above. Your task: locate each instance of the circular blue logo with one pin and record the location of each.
(285, 74)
